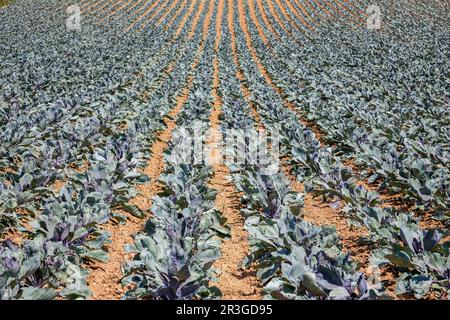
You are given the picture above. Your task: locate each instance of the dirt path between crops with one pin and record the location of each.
(239, 73)
(287, 16)
(298, 15)
(305, 14)
(277, 18)
(266, 19)
(185, 18)
(341, 11)
(394, 201)
(197, 17)
(154, 14)
(117, 9)
(143, 15)
(168, 11)
(315, 211)
(256, 22)
(175, 16)
(356, 13)
(129, 8)
(321, 213)
(234, 282)
(112, 8)
(104, 279)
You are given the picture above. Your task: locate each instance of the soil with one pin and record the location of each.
(234, 282)
(143, 15)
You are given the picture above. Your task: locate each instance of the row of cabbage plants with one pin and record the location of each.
(378, 126)
(40, 148)
(180, 242)
(396, 237)
(294, 258)
(117, 132)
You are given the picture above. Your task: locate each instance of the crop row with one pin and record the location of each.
(181, 240)
(113, 135)
(396, 237)
(294, 258)
(356, 111)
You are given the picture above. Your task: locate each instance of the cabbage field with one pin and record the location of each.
(225, 149)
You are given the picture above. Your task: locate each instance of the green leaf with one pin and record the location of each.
(339, 293)
(31, 293)
(420, 284)
(400, 259)
(98, 255)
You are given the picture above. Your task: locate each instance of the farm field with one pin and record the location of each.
(225, 149)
